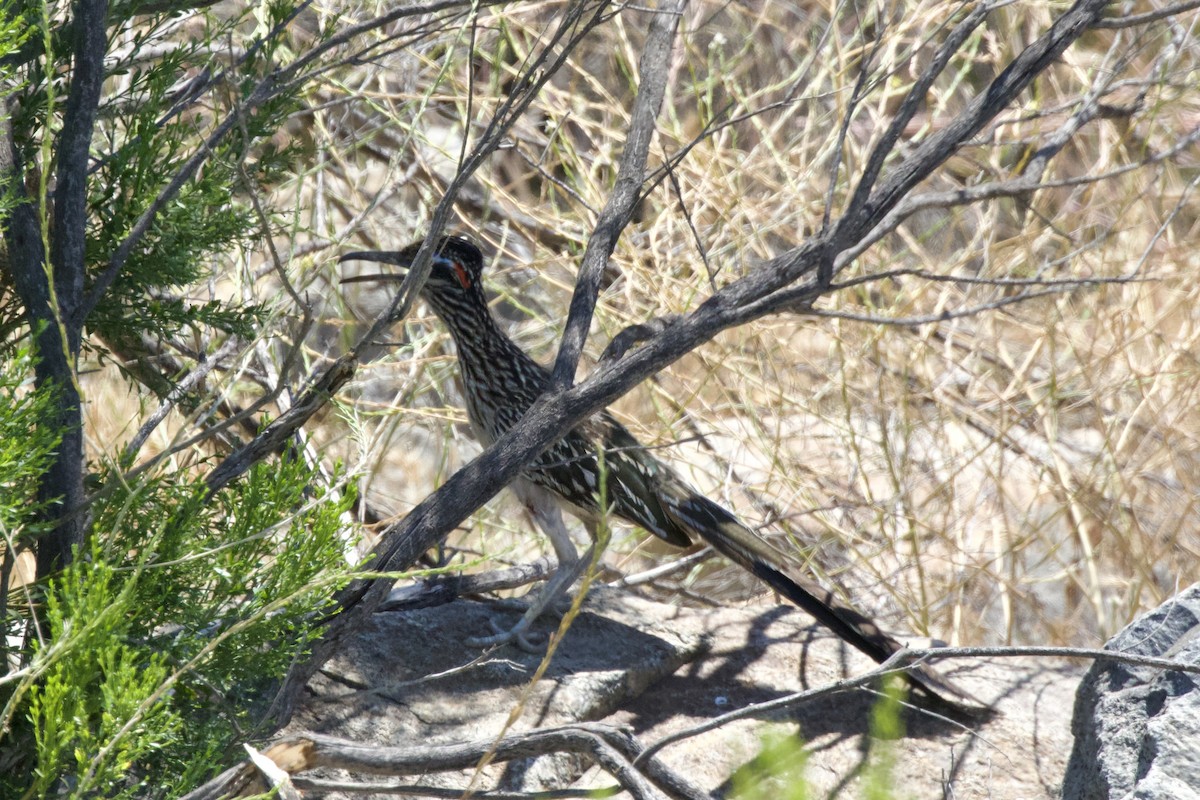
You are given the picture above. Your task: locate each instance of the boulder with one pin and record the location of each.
(656, 670)
(1137, 729)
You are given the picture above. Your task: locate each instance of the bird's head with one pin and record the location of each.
(457, 269)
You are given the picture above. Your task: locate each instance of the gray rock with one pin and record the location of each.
(657, 670)
(1137, 729)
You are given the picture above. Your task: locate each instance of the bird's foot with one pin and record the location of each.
(551, 593)
(519, 635)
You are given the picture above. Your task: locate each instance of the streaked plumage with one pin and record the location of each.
(501, 382)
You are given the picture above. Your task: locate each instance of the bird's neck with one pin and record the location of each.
(485, 353)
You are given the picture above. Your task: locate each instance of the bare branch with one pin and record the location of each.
(51, 292)
(612, 748)
(446, 588)
(1133, 20)
(904, 660)
(178, 392)
(1032, 61)
(630, 336)
(616, 212)
(361, 788)
(74, 144)
(276, 435)
(1014, 187)
(913, 100)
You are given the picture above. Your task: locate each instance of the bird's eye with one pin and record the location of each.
(455, 266)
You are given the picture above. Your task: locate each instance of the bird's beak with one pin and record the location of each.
(380, 257)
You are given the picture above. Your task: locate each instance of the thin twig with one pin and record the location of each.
(178, 392)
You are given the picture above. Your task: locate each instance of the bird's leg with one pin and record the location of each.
(546, 513)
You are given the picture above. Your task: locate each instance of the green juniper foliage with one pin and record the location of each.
(147, 141)
(776, 772)
(136, 670)
(161, 656)
(25, 448)
(887, 727)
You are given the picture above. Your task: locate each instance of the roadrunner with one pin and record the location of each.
(500, 383)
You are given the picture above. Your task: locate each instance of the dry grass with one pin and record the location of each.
(1025, 474)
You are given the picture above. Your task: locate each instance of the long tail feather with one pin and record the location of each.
(744, 547)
